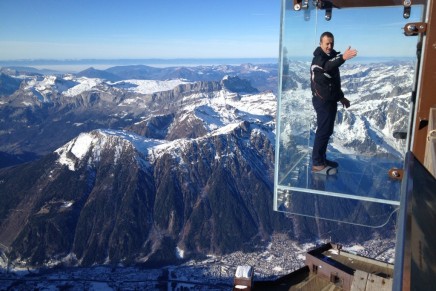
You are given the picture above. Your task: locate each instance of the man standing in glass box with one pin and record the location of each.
(326, 92)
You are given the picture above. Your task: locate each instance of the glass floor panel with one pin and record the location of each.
(379, 84)
(358, 177)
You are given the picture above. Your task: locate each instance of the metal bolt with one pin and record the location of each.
(297, 7)
(412, 28)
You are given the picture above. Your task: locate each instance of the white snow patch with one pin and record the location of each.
(277, 269)
(46, 84)
(67, 204)
(78, 147)
(144, 145)
(243, 271)
(148, 86)
(85, 84)
(225, 129)
(334, 251)
(180, 253)
(301, 257)
(82, 145)
(355, 248)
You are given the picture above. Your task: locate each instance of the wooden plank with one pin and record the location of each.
(376, 283)
(425, 98)
(359, 281)
(430, 147)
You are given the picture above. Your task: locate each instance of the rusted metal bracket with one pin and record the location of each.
(396, 174)
(297, 5)
(415, 28)
(301, 4)
(328, 10)
(326, 5)
(407, 8)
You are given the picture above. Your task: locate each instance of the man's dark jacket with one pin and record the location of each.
(325, 76)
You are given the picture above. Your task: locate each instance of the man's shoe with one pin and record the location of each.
(327, 170)
(331, 164)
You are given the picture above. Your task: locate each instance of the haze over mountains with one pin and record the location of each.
(151, 165)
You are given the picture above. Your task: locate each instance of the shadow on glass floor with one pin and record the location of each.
(360, 193)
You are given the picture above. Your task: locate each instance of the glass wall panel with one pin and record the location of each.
(378, 83)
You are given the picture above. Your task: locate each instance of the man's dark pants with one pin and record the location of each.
(325, 120)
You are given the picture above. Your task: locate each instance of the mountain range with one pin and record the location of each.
(140, 165)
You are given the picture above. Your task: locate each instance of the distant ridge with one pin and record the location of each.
(94, 73)
(182, 61)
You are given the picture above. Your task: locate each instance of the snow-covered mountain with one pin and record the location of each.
(111, 196)
(55, 108)
(138, 171)
(151, 186)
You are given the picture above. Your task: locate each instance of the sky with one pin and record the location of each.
(374, 32)
(81, 29)
(172, 29)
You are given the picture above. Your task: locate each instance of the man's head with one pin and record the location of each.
(326, 42)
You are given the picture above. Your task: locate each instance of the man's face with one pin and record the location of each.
(327, 44)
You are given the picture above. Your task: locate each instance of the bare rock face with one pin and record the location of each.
(102, 198)
(106, 196)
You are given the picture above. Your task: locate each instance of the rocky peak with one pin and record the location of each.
(101, 74)
(237, 85)
(87, 148)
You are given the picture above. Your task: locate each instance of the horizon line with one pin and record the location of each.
(33, 60)
(77, 65)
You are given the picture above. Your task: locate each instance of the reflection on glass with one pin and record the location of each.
(378, 82)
